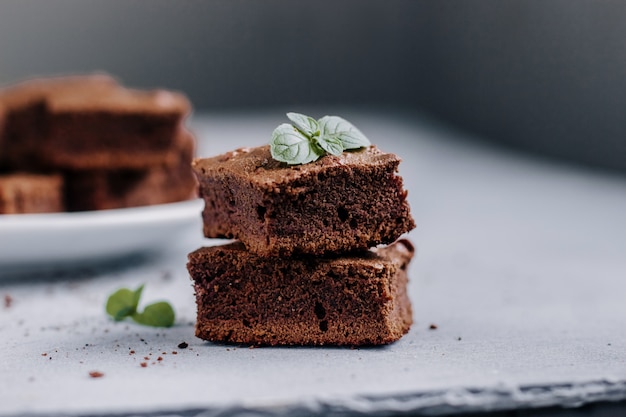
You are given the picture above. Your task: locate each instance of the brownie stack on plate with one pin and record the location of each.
(302, 271)
(110, 146)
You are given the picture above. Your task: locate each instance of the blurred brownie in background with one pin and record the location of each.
(22, 193)
(116, 147)
(111, 189)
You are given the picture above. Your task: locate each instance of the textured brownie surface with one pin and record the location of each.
(28, 193)
(351, 300)
(336, 204)
(106, 189)
(89, 122)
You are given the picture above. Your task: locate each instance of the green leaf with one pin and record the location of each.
(123, 303)
(289, 145)
(137, 295)
(340, 129)
(160, 314)
(304, 124)
(330, 144)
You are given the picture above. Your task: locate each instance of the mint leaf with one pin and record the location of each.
(304, 124)
(137, 295)
(289, 145)
(160, 314)
(307, 139)
(330, 144)
(342, 130)
(123, 303)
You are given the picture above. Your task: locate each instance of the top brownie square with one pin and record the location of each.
(89, 122)
(334, 205)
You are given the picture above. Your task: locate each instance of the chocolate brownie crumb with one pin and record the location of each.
(8, 301)
(96, 374)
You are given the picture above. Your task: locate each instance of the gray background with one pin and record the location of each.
(546, 76)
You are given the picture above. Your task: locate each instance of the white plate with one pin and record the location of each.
(35, 239)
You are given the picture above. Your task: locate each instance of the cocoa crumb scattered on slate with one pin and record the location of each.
(433, 326)
(132, 352)
(8, 300)
(160, 358)
(174, 352)
(183, 345)
(143, 364)
(96, 374)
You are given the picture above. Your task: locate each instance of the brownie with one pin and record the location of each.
(360, 299)
(111, 189)
(334, 205)
(89, 122)
(22, 193)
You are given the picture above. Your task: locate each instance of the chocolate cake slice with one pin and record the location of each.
(349, 300)
(89, 122)
(334, 205)
(22, 193)
(112, 189)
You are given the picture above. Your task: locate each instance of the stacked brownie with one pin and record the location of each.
(110, 146)
(302, 271)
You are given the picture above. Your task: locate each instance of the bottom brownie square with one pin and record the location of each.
(112, 189)
(350, 300)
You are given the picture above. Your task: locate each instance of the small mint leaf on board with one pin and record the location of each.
(159, 314)
(123, 303)
(137, 295)
(304, 124)
(289, 145)
(340, 129)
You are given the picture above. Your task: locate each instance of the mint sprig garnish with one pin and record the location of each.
(123, 303)
(307, 139)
